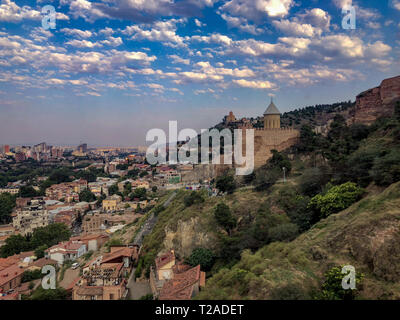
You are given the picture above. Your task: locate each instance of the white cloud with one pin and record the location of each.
(199, 23)
(164, 31)
(241, 24)
(83, 44)
(316, 17)
(177, 59)
(77, 32)
(112, 41)
(254, 84)
(296, 29)
(11, 12)
(256, 10)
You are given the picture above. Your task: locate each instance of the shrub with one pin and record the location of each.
(226, 183)
(203, 257)
(283, 232)
(386, 170)
(332, 288)
(193, 198)
(290, 291)
(336, 199)
(224, 217)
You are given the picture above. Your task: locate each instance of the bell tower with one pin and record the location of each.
(272, 117)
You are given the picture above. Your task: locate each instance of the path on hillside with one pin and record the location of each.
(151, 222)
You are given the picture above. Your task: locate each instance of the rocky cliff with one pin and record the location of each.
(377, 102)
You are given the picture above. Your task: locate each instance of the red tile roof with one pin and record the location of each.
(123, 252)
(181, 286)
(10, 273)
(165, 259)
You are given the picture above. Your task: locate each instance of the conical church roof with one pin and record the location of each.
(272, 109)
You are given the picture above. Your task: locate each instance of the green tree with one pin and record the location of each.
(312, 181)
(40, 251)
(28, 275)
(203, 257)
(279, 161)
(139, 193)
(7, 204)
(14, 244)
(113, 189)
(266, 178)
(50, 235)
(27, 192)
(332, 288)
(336, 199)
(386, 170)
(193, 198)
(283, 232)
(224, 217)
(42, 294)
(87, 196)
(226, 183)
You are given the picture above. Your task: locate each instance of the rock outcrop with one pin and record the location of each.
(377, 102)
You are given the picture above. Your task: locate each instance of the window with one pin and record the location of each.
(111, 296)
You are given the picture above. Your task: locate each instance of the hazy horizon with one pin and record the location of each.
(112, 70)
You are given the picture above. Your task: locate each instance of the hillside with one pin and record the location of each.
(276, 240)
(366, 235)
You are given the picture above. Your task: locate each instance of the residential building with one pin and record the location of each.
(66, 251)
(10, 190)
(104, 278)
(69, 191)
(6, 231)
(29, 218)
(110, 204)
(93, 241)
(170, 280)
(10, 278)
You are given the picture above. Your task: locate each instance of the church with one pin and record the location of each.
(272, 136)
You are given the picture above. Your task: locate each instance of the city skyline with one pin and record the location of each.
(112, 70)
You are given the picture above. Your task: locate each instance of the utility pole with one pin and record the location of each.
(284, 174)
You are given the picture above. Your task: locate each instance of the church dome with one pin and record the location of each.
(272, 109)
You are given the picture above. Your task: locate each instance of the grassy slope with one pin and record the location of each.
(366, 235)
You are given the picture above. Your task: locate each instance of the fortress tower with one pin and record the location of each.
(272, 117)
(271, 137)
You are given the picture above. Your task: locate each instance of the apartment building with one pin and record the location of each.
(30, 218)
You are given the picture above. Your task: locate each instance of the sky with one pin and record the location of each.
(111, 70)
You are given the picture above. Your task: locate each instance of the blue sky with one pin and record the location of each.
(112, 70)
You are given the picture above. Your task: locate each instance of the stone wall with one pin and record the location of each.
(377, 102)
(266, 140)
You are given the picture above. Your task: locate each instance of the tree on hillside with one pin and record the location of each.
(224, 217)
(203, 257)
(226, 183)
(332, 288)
(386, 170)
(279, 161)
(336, 199)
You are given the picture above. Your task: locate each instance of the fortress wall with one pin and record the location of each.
(377, 102)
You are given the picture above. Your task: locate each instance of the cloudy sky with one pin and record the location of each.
(113, 69)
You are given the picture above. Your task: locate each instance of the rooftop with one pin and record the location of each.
(272, 109)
